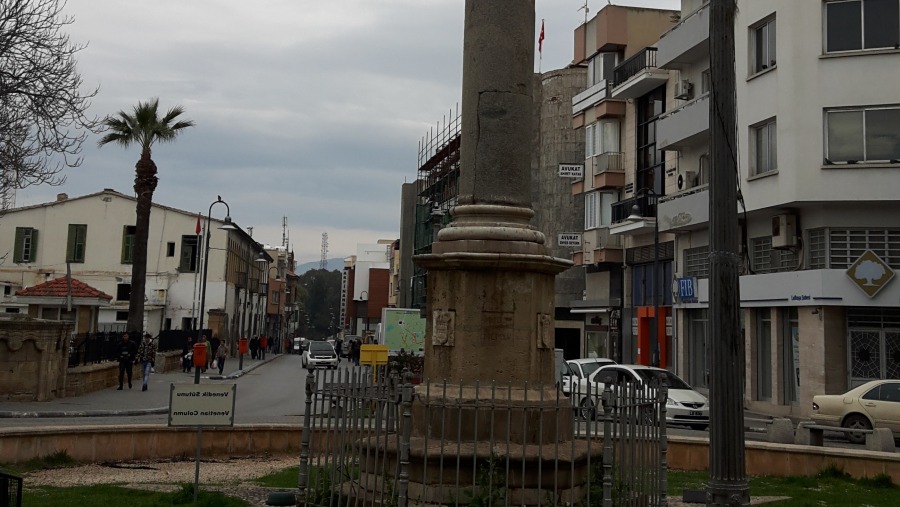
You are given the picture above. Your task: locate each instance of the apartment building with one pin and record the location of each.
(282, 303)
(366, 287)
(625, 94)
(818, 153)
(92, 236)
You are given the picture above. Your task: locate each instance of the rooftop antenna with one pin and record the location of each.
(323, 262)
(284, 238)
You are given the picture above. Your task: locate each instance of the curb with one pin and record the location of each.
(13, 414)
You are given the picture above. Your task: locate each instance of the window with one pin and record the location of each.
(650, 160)
(696, 262)
(765, 154)
(7, 290)
(128, 244)
(11, 310)
(763, 354)
(76, 243)
(189, 254)
(26, 245)
(600, 67)
(863, 135)
(121, 316)
(704, 82)
(763, 36)
(769, 260)
(817, 249)
(276, 297)
(598, 209)
(170, 249)
(123, 292)
(854, 25)
(601, 137)
(846, 245)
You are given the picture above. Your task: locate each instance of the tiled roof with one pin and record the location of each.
(57, 289)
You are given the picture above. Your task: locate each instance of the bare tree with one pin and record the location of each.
(43, 120)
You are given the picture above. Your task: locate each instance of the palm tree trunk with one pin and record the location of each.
(144, 185)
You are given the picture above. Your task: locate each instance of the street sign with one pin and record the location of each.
(201, 405)
(574, 171)
(685, 289)
(569, 239)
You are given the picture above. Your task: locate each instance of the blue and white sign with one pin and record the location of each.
(685, 289)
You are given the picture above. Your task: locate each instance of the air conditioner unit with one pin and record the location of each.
(688, 180)
(684, 90)
(784, 231)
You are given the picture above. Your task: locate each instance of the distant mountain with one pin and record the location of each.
(333, 264)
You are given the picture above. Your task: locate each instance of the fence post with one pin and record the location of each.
(663, 447)
(405, 430)
(607, 445)
(303, 479)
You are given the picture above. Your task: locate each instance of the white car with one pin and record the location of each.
(875, 404)
(319, 355)
(579, 371)
(684, 405)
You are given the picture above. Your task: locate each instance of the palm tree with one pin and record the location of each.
(143, 127)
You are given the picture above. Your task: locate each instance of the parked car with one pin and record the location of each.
(579, 371)
(875, 404)
(684, 405)
(319, 355)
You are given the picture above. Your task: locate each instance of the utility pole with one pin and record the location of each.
(727, 475)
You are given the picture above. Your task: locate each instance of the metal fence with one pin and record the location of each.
(10, 490)
(91, 348)
(370, 438)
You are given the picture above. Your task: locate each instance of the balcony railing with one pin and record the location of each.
(646, 207)
(643, 59)
(609, 162)
(594, 94)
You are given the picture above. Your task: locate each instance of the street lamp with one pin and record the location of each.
(227, 226)
(634, 217)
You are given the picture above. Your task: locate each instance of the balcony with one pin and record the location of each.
(599, 247)
(684, 211)
(601, 172)
(686, 126)
(623, 209)
(638, 75)
(687, 42)
(588, 98)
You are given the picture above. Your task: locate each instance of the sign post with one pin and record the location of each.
(209, 405)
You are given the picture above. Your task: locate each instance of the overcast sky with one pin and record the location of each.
(305, 109)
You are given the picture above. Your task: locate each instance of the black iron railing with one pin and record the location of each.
(643, 59)
(10, 490)
(646, 205)
(92, 348)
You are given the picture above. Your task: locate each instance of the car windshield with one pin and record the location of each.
(589, 368)
(320, 347)
(668, 378)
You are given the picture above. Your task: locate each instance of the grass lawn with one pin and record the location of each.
(830, 488)
(115, 495)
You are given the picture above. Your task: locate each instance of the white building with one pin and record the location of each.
(818, 155)
(94, 235)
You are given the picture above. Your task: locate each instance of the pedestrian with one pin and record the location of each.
(338, 345)
(221, 354)
(211, 352)
(263, 345)
(187, 355)
(206, 343)
(146, 356)
(125, 351)
(254, 347)
(354, 352)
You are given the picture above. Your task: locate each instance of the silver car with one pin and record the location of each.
(319, 355)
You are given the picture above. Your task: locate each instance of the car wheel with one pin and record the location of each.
(699, 427)
(859, 422)
(587, 410)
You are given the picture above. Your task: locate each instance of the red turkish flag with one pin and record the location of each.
(541, 39)
(198, 224)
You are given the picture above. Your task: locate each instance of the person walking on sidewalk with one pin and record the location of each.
(221, 354)
(146, 356)
(187, 355)
(208, 360)
(125, 351)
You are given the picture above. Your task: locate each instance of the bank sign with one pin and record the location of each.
(201, 405)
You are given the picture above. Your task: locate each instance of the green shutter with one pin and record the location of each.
(185, 265)
(20, 243)
(32, 255)
(70, 246)
(124, 244)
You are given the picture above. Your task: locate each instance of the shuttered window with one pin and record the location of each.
(128, 244)
(77, 243)
(26, 245)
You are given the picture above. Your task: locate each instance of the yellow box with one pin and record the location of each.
(373, 355)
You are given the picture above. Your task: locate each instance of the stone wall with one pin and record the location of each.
(34, 356)
(95, 377)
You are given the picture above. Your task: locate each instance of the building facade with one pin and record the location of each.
(93, 237)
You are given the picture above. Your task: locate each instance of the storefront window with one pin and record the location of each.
(763, 354)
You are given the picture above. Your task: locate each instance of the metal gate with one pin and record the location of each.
(360, 446)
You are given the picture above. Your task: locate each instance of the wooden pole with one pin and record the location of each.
(727, 475)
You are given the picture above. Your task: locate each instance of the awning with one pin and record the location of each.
(589, 310)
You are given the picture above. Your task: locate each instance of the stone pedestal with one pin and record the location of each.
(34, 357)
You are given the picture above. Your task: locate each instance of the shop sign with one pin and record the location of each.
(870, 273)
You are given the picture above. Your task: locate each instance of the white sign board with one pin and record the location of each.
(571, 170)
(201, 405)
(569, 239)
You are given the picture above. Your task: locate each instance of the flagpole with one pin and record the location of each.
(198, 230)
(541, 48)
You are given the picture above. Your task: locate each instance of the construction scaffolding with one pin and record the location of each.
(437, 189)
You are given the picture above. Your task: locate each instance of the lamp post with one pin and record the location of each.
(227, 226)
(366, 333)
(636, 215)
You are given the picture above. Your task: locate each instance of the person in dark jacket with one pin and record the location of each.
(146, 357)
(187, 361)
(254, 347)
(125, 352)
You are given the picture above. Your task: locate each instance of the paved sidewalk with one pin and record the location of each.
(111, 402)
